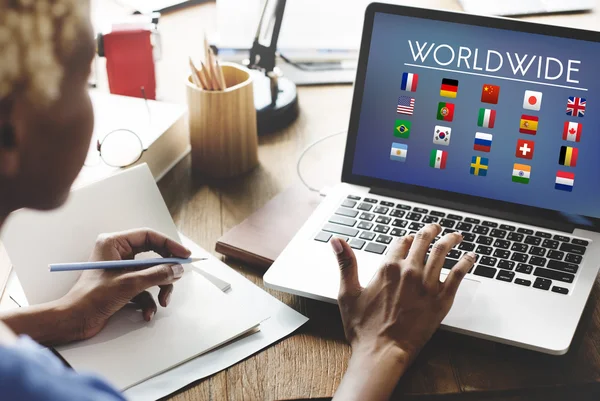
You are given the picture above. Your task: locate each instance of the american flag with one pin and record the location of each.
(406, 105)
(576, 106)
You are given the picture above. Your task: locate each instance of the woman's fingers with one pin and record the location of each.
(164, 296)
(349, 284)
(457, 273)
(437, 256)
(146, 303)
(145, 240)
(421, 243)
(141, 280)
(399, 248)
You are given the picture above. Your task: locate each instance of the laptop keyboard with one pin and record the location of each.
(505, 252)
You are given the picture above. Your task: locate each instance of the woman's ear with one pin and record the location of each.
(9, 154)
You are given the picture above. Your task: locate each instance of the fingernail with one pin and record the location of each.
(152, 315)
(336, 244)
(168, 299)
(177, 271)
(472, 255)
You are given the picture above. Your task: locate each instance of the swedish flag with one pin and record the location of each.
(479, 166)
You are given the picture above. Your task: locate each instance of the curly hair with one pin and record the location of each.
(36, 38)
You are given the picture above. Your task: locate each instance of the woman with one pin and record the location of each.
(46, 120)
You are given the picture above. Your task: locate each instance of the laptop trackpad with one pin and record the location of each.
(461, 309)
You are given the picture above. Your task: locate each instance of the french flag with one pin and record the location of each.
(409, 82)
(564, 181)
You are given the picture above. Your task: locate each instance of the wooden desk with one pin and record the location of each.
(311, 363)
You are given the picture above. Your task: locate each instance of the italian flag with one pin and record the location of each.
(438, 159)
(487, 118)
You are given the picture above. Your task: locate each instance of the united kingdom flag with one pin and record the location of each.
(576, 106)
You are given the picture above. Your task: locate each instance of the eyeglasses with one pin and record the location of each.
(122, 147)
(119, 148)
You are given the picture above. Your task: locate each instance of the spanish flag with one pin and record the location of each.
(568, 156)
(529, 125)
(449, 88)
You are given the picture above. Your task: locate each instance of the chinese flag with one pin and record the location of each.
(490, 93)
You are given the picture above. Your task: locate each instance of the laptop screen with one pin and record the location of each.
(493, 113)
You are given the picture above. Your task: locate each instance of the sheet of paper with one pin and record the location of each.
(129, 350)
(200, 317)
(5, 269)
(34, 239)
(283, 321)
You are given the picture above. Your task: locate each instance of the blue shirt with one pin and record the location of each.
(30, 372)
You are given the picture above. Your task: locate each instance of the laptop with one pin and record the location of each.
(525, 7)
(479, 124)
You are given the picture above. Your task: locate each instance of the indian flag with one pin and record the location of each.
(438, 158)
(487, 118)
(521, 173)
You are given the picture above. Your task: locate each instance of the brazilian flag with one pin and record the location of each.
(402, 129)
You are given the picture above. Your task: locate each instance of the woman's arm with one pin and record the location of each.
(50, 324)
(98, 295)
(388, 322)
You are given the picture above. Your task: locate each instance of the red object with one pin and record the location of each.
(490, 94)
(130, 63)
(525, 149)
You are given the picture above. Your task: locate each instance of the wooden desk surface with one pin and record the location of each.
(310, 364)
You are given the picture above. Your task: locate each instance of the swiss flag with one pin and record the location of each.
(572, 132)
(525, 149)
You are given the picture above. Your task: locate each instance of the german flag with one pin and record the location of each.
(449, 88)
(568, 156)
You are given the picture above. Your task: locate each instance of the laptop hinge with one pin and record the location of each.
(553, 224)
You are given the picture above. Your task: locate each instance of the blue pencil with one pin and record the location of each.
(121, 264)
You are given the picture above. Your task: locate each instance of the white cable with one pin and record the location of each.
(309, 147)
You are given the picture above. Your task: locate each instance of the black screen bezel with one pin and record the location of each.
(476, 204)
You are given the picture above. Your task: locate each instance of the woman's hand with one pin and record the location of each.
(388, 322)
(98, 294)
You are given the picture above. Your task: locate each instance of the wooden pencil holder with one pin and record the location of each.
(223, 130)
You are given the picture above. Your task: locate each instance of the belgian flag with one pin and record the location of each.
(449, 88)
(568, 156)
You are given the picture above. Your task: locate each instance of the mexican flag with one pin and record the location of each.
(438, 158)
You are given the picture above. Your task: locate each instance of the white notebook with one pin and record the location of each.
(129, 350)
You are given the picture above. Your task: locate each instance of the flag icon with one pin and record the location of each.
(409, 82)
(398, 152)
(568, 156)
(490, 94)
(529, 124)
(521, 173)
(532, 100)
(402, 129)
(483, 142)
(564, 181)
(449, 88)
(576, 106)
(406, 105)
(438, 159)
(572, 132)
(525, 149)
(441, 135)
(479, 166)
(445, 111)
(487, 118)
